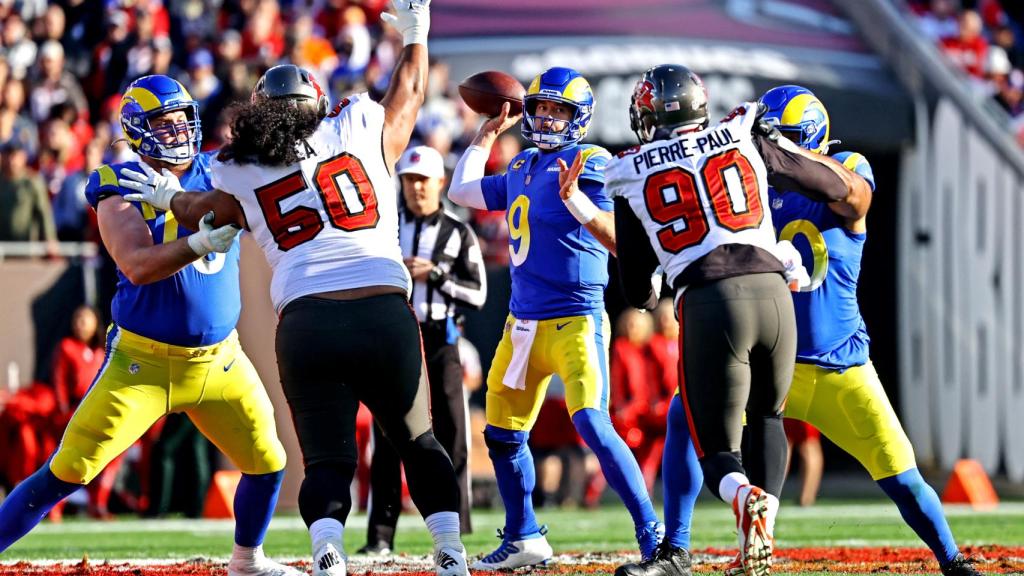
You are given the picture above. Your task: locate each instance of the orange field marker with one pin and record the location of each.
(220, 497)
(969, 484)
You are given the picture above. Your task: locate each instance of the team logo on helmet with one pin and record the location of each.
(564, 86)
(799, 115)
(153, 96)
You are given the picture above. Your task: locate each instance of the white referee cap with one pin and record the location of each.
(422, 160)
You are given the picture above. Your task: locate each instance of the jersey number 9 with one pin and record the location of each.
(345, 190)
(519, 230)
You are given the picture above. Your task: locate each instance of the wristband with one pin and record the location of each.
(415, 35)
(581, 208)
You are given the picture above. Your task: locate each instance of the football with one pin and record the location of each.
(485, 92)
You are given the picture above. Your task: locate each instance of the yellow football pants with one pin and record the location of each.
(851, 409)
(574, 347)
(142, 380)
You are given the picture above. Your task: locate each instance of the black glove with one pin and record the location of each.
(762, 126)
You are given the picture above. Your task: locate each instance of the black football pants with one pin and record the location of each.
(335, 354)
(738, 346)
(448, 411)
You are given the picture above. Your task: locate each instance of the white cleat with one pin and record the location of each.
(516, 554)
(449, 561)
(260, 565)
(329, 559)
(755, 512)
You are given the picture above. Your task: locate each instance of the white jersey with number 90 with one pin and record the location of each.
(698, 191)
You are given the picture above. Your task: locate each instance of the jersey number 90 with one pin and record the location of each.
(344, 189)
(673, 200)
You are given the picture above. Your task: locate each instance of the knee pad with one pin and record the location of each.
(503, 441)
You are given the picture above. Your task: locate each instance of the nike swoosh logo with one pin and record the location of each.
(229, 365)
(560, 326)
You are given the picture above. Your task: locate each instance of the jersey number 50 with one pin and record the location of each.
(344, 188)
(672, 199)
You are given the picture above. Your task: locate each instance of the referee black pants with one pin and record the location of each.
(450, 420)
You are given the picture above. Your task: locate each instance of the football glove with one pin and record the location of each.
(209, 239)
(152, 188)
(411, 19)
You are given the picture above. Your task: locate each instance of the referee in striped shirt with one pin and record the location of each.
(443, 257)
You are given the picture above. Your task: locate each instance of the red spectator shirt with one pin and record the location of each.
(969, 56)
(74, 369)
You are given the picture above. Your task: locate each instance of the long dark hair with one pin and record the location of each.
(266, 132)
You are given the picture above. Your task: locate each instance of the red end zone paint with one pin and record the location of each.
(991, 559)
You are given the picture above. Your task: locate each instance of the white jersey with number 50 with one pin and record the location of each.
(698, 191)
(331, 221)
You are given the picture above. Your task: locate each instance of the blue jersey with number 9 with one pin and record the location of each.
(558, 268)
(830, 330)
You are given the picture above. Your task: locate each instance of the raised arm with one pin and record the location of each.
(816, 176)
(409, 81)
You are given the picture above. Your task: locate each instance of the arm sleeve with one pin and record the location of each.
(637, 260)
(101, 184)
(467, 282)
(792, 172)
(470, 188)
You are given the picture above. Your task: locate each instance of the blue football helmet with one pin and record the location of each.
(799, 115)
(566, 86)
(149, 97)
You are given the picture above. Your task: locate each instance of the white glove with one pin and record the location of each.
(152, 188)
(209, 239)
(656, 281)
(411, 19)
(796, 274)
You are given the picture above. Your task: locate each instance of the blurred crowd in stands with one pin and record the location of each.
(984, 39)
(64, 64)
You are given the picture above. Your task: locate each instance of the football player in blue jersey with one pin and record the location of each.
(560, 234)
(835, 387)
(172, 346)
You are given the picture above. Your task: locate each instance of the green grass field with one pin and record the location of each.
(833, 524)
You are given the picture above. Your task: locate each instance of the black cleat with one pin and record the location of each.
(378, 548)
(667, 561)
(960, 566)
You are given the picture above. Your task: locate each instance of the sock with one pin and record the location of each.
(255, 500)
(444, 529)
(247, 554)
(513, 469)
(921, 510)
(29, 503)
(729, 484)
(617, 463)
(326, 529)
(682, 477)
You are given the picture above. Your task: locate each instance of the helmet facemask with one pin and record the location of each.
(165, 142)
(548, 139)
